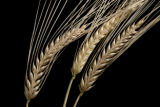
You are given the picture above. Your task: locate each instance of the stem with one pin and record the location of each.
(68, 91)
(76, 102)
(27, 103)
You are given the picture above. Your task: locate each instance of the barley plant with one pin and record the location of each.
(110, 27)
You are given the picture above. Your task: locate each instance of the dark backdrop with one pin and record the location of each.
(131, 80)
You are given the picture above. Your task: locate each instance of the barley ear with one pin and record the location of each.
(36, 77)
(90, 44)
(107, 56)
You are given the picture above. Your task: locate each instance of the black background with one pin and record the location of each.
(132, 80)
